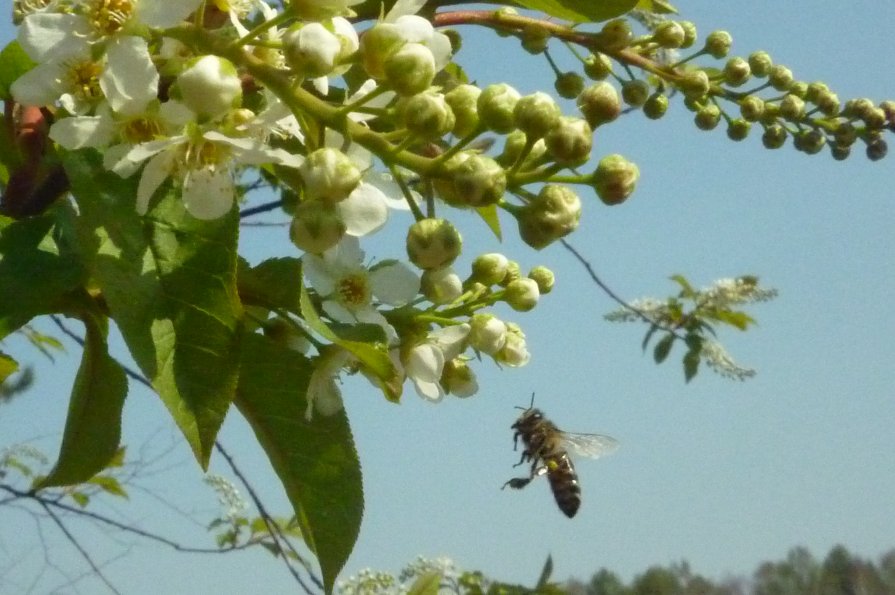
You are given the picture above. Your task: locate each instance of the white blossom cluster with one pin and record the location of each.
(228, 496)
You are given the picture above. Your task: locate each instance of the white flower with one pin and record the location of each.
(348, 288)
(515, 351)
(424, 363)
(203, 164)
(416, 29)
(721, 362)
(324, 394)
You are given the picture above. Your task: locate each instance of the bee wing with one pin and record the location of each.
(592, 446)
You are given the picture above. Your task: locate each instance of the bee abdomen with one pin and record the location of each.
(564, 483)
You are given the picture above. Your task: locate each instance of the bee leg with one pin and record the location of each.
(517, 483)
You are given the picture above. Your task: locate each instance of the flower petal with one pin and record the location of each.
(318, 273)
(46, 35)
(157, 170)
(164, 13)
(403, 7)
(42, 85)
(364, 211)
(208, 193)
(395, 284)
(83, 131)
(425, 362)
(129, 79)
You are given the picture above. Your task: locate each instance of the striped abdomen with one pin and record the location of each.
(563, 482)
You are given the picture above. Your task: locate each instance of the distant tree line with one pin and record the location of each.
(800, 573)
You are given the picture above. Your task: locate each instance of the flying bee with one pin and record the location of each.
(547, 448)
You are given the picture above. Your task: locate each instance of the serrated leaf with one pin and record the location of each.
(109, 484)
(170, 283)
(427, 583)
(581, 11)
(93, 425)
(316, 461)
(275, 284)
(34, 277)
(663, 348)
(14, 62)
(489, 216)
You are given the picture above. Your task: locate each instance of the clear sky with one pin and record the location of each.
(720, 473)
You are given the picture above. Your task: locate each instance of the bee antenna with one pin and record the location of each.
(531, 405)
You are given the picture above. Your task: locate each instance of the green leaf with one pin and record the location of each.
(316, 461)
(489, 216)
(109, 484)
(374, 359)
(663, 348)
(656, 6)
(686, 289)
(426, 584)
(34, 277)
(80, 498)
(581, 11)
(737, 319)
(546, 571)
(170, 283)
(274, 284)
(8, 366)
(93, 426)
(691, 364)
(649, 335)
(14, 62)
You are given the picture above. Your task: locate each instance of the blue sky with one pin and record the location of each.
(720, 473)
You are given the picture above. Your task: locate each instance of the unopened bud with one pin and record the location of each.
(690, 34)
(441, 286)
(615, 35)
(569, 85)
(427, 115)
(570, 141)
(522, 294)
(792, 108)
(487, 333)
(694, 83)
(615, 179)
(760, 63)
(210, 87)
(752, 108)
(458, 379)
(780, 77)
(496, 105)
(718, 43)
(472, 180)
(433, 243)
(774, 136)
(489, 269)
(378, 43)
(316, 226)
(635, 92)
(599, 104)
(554, 213)
(656, 105)
(311, 50)
(544, 277)
(810, 141)
(597, 66)
(669, 35)
(329, 174)
(877, 149)
(515, 351)
(737, 72)
(463, 101)
(411, 69)
(738, 129)
(707, 117)
(536, 114)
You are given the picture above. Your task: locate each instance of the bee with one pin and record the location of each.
(547, 448)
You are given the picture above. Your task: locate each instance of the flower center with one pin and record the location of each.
(354, 291)
(109, 16)
(83, 79)
(140, 130)
(202, 154)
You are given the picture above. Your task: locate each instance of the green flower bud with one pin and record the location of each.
(771, 113)
(815, 90)
(845, 134)
(597, 66)
(513, 272)
(316, 226)
(433, 243)
(737, 72)
(536, 114)
(799, 89)
(840, 152)
(472, 180)
(615, 35)
(489, 269)
(463, 100)
(514, 352)
(599, 104)
(487, 333)
(496, 105)
(656, 105)
(888, 107)
(707, 118)
(877, 149)
(522, 294)
(718, 43)
(760, 63)
(570, 141)
(534, 39)
(774, 136)
(689, 34)
(669, 35)
(828, 103)
(780, 77)
(809, 141)
(569, 85)
(544, 277)
(377, 44)
(874, 118)
(427, 115)
(738, 129)
(441, 286)
(635, 92)
(752, 108)
(209, 87)
(411, 69)
(615, 179)
(552, 214)
(694, 83)
(856, 108)
(792, 108)
(329, 174)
